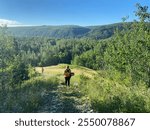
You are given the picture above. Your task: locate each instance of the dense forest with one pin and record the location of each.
(119, 53)
(66, 31)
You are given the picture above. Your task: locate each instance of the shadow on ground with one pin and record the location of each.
(62, 100)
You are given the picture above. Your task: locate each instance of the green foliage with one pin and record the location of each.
(93, 58)
(6, 57)
(129, 53)
(109, 96)
(59, 32)
(19, 72)
(85, 59)
(31, 72)
(29, 97)
(142, 13)
(123, 63)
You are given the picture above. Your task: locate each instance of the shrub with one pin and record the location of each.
(28, 97)
(109, 96)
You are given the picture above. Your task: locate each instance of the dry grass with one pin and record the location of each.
(59, 70)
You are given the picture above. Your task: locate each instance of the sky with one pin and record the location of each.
(67, 12)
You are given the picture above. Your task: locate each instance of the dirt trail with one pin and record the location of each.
(64, 100)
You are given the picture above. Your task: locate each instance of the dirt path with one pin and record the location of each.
(64, 100)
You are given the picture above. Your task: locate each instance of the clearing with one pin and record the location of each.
(65, 99)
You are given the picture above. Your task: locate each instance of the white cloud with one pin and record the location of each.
(9, 22)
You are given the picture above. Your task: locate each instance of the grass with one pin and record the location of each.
(109, 94)
(106, 91)
(101, 91)
(58, 71)
(44, 93)
(29, 96)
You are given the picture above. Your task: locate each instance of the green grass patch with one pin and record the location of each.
(29, 96)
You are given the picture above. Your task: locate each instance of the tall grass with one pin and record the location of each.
(28, 97)
(108, 95)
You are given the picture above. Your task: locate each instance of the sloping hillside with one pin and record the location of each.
(65, 99)
(58, 71)
(90, 91)
(93, 91)
(66, 31)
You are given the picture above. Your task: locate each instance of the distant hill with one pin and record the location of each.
(66, 31)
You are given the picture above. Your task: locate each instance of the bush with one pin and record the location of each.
(28, 97)
(110, 96)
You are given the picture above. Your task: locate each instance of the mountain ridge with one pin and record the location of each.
(66, 31)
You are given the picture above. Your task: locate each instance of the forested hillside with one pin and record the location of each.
(68, 31)
(111, 74)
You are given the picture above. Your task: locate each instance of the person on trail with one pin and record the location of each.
(42, 70)
(67, 75)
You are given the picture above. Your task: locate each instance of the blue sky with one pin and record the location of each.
(67, 12)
